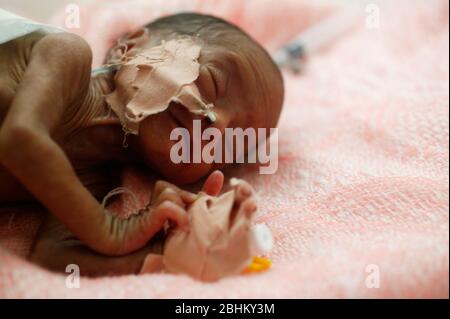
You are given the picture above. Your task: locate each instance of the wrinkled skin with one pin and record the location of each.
(57, 247)
(53, 115)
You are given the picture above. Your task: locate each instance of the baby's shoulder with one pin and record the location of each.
(56, 51)
(61, 47)
(14, 59)
(18, 51)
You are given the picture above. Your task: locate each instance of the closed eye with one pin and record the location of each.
(207, 84)
(219, 80)
(214, 81)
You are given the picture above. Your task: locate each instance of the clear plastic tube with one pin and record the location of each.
(320, 34)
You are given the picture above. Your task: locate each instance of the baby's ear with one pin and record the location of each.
(135, 38)
(126, 43)
(135, 35)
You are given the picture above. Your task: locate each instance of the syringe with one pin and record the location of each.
(318, 36)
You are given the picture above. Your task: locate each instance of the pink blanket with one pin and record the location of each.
(359, 206)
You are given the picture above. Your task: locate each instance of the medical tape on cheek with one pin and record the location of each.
(150, 80)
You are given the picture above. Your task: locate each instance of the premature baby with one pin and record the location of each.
(62, 130)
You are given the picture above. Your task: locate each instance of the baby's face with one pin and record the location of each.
(226, 80)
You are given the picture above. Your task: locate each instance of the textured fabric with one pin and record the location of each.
(363, 173)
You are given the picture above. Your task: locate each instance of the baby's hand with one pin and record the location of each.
(165, 191)
(219, 242)
(165, 195)
(244, 196)
(168, 203)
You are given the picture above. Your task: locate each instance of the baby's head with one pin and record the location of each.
(235, 75)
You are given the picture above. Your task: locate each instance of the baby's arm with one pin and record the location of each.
(55, 247)
(58, 73)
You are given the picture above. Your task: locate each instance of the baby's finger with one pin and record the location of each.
(243, 190)
(242, 214)
(188, 197)
(161, 186)
(169, 195)
(168, 211)
(243, 217)
(248, 208)
(214, 183)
